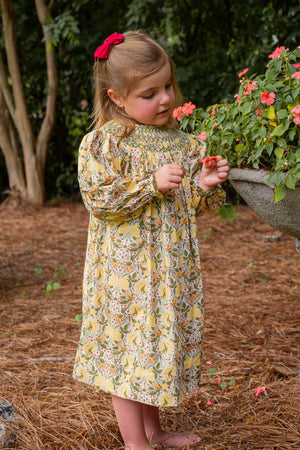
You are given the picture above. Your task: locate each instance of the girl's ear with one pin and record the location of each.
(116, 98)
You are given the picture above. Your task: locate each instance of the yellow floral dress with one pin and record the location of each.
(143, 317)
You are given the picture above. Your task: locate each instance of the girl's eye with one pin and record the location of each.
(168, 85)
(148, 96)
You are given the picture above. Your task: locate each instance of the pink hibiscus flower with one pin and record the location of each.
(260, 390)
(296, 112)
(202, 135)
(297, 65)
(188, 108)
(178, 113)
(213, 110)
(267, 97)
(243, 72)
(296, 75)
(238, 98)
(277, 52)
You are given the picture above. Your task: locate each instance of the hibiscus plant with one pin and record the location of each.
(260, 129)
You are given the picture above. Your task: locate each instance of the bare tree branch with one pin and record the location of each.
(34, 181)
(11, 150)
(6, 90)
(21, 113)
(43, 138)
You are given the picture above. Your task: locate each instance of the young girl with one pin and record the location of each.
(144, 184)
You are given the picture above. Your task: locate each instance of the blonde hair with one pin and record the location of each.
(137, 57)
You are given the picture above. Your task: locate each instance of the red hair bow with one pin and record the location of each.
(102, 52)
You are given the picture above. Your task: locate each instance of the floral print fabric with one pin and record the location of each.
(143, 318)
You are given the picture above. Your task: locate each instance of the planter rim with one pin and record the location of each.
(252, 175)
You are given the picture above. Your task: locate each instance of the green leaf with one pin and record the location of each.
(290, 69)
(278, 131)
(282, 113)
(227, 212)
(292, 133)
(269, 148)
(279, 152)
(38, 271)
(280, 192)
(246, 108)
(223, 385)
(262, 132)
(290, 181)
(271, 113)
(212, 370)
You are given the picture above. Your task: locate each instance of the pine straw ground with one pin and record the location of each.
(252, 290)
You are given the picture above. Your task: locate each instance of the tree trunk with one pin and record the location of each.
(11, 149)
(34, 149)
(44, 14)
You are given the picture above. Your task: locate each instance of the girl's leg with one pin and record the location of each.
(130, 420)
(156, 435)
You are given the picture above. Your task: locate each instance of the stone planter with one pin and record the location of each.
(253, 187)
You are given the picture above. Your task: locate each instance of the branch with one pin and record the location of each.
(11, 150)
(21, 113)
(43, 138)
(6, 90)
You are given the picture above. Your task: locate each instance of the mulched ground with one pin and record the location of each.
(252, 290)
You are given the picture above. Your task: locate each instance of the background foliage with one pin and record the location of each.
(210, 42)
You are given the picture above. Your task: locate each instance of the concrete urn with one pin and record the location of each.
(253, 187)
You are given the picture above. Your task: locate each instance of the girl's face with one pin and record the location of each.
(152, 100)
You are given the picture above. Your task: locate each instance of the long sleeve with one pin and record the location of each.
(109, 189)
(202, 201)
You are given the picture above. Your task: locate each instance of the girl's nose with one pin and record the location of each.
(165, 98)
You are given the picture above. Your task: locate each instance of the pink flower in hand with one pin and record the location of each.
(296, 112)
(267, 97)
(277, 52)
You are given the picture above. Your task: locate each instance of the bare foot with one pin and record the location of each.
(171, 439)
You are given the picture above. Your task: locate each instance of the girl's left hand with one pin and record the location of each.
(213, 171)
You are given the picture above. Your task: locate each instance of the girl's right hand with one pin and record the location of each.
(168, 177)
